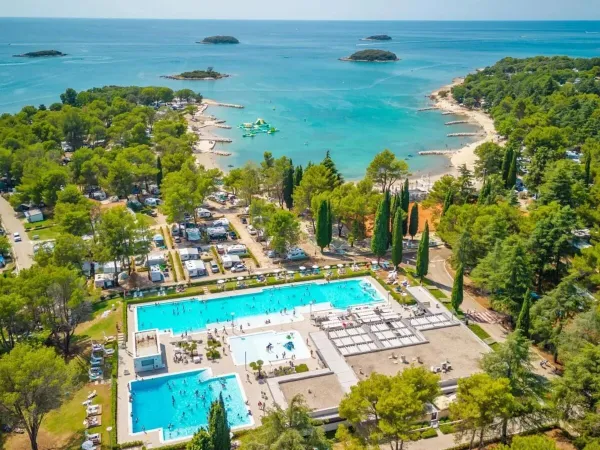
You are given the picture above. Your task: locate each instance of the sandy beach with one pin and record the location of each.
(465, 155)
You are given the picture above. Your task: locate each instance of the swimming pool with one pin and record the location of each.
(179, 403)
(194, 315)
(268, 347)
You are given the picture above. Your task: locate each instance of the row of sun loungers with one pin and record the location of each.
(431, 322)
(346, 332)
(360, 348)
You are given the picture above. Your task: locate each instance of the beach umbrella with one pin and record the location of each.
(327, 267)
(302, 268)
(240, 278)
(340, 265)
(315, 267)
(291, 272)
(220, 281)
(277, 271)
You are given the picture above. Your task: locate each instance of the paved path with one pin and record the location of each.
(23, 251)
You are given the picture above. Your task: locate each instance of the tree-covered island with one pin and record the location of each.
(195, 75)
(378, 37)
(40, 54)
(219, 40)
(372, 56)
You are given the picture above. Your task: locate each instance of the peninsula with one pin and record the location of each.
(40, 54)
(371, 56)
(219, 40)
(378, 37)
(196, 75)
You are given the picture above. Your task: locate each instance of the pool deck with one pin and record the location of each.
(225, 365)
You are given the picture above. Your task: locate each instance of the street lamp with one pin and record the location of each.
(109, 430)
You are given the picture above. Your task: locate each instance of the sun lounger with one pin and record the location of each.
(372, 346)
(343, 333)
(352, 349)
(92, 422)
(379, 336)
(388, 334)
(357, 339)
(96, 438)
(386, 344)
(343, 351)
(414, 339)
(347, 341)
(405, 341)
(352, 331)
(338, 343)
(91, 394)
(363, 348)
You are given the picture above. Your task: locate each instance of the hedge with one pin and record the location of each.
(113, 400)
(168, 238)
(170, 256)
(179, 265)
(447, 428)
(428, 433)
(216, 255)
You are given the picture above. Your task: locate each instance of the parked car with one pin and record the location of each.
(244, 220)
(16, 237)
(177, 239)
(239, 268)
(232, 235)
(251, 230)
(220, 249)
(214, 267)
(296, 254)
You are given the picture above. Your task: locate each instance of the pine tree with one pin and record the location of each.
(218, 427)
(506, 162)
(523, 321)
(413, 226)
(484, 194)
(288, 187)
(405, 204)
(588, 169)
(397, 238)
(379, 242)
(200, 441)
(298, 175)
(511, 179)
(448, 201)
(159, 174)
(336, 178)
(423, 254)
(323, 218)
(457, 289)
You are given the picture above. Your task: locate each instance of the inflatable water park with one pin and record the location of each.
(251, 129)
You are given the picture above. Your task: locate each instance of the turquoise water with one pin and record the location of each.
(193, 315)
(288, 73)
(179, 403)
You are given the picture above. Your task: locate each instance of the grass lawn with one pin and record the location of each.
(96, 328)
(43, 234)
(438, 294)
(43, 223)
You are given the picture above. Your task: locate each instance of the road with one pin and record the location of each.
(23, 251)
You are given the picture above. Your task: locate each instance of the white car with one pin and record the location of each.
(17, 237)
(251, 230)
(239, 268)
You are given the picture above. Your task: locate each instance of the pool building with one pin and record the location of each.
(340, 331)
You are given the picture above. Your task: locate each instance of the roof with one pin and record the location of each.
(155, 256)
(158, 237)
(188, 251)
(195, 264)
(216, 230)
(155, 268)
(146, 343)
(232, 258)
(32, 212)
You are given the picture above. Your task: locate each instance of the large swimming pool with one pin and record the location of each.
(194, 314)
(179, 403)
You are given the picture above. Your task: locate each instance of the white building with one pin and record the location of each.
(230, 260)
(195, 268)
(147, 351)
(34, 215)
(238, 249)
(155, 273)
(188, 253)
(104, 280)
(156, 259)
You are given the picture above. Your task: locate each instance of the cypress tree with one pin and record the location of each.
(336, 178)
(388, 212)
(457, 289)
(329, 222)
(322, 235)
(511, 180)
(288, 187)
(218, 427)
(588, 169)
(200, 441)
(413, 226)
(448, 201)
(484, 194)
(298, 175)
(405, 204)
(523, 321)
(379, 242)
(506, 162)
(159, 174)
(423, 254)
(397, 238)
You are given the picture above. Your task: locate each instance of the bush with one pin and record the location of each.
(173, 271)
(447, 428)
(168, 238)
(301, 368)
(428, 433)
(179, 265)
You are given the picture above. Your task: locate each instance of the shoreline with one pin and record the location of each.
(465, 154)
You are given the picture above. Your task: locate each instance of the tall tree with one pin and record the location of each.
(423, 254)
(405, 204)
(385, 170)
(413, 226)
(506, 163)
(587, 173)
(33, 381)
(218, 427)
(283, 228)
(298, 174)
(323, 233)
(457, 289)
(511, 179)
(335, 176)
(397, 238)
(201, 441)
(288, 186)
(159, 173)
(329, 222)
(523, 321)
(379, 242)
(448, 201)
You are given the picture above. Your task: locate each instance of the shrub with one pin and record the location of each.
(301, 368)
(179, 265)
(217, 259)
(428, 433)
(447, 428)
(173, 271)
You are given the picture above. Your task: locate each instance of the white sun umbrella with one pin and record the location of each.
(373, 262)
(302, 268)
(291, 272)
(315, 267)
(240, 278)
(327, 267)
(220, 281)
(340, 265)
(277, 271)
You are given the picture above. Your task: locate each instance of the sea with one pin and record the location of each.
(289, 74)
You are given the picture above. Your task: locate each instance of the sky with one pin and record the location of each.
(308, 9)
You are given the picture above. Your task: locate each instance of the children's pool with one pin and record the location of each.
(179, 403)
(268, 347)
(192, 315)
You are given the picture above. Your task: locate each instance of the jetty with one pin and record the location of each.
(437, 152)
(449, 113)
(225, 105)
(456, 122)
(428, 108)
(215, 139)
(462, 134)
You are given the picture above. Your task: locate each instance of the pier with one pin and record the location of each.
(456, 122)
(449, 113)
(437, 152)
(215, 139)
(462, 134)
(429, 108)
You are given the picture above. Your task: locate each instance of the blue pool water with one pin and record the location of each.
(194, 314)
(179, 403)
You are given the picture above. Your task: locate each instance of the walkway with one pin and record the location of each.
(23, 251)
(335, 362)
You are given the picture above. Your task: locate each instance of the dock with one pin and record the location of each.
(225, 105)
(437, 152)
(456, 122)
(428, 108)
(462, 134)
(214, 139)
(449, 113)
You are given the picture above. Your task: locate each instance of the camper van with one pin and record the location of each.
(296, 254)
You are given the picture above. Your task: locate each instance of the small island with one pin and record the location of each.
(40, 54)
(195, 75)
(378, 37)
(219, 40)
(372, 56)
